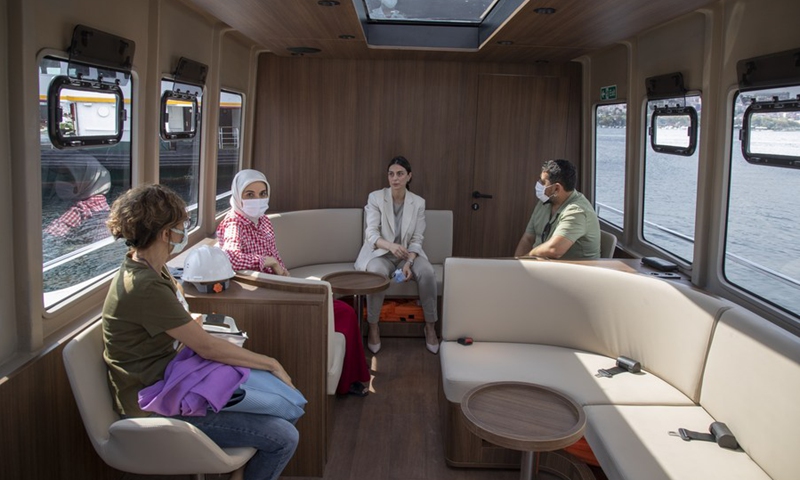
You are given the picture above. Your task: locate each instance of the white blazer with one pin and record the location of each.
(379, 216)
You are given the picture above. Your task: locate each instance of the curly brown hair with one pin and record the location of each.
(142, 212)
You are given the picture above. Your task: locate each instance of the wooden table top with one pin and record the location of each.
(356, 283)
(523, 416)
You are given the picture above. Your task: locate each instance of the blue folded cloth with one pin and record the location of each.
(266, 394)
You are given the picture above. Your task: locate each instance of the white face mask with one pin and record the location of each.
(389, 3)
(178, 247)
(256, 207)
(540, 193)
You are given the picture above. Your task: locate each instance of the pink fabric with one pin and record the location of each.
(354, 368)
(77, 214)
(247, 243)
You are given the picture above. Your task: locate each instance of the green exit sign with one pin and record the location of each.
(608, 93)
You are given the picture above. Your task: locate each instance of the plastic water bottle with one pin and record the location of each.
(398, 275)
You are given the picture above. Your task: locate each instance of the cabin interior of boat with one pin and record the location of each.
(681, 116)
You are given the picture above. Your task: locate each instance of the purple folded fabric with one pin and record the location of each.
(191, 386)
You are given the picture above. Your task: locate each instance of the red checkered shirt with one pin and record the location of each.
(246, 243)
(77, 214)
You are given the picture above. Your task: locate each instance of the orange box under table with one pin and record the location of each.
(401, 311)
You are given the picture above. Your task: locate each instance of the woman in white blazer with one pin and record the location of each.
(395, 220)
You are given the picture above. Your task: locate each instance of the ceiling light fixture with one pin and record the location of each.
(505, 42)
(347, 37)
(327, 3)
(545, 10)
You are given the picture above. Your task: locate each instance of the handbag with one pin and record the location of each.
(266, 394)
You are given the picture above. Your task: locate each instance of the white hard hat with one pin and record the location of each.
(208, 268)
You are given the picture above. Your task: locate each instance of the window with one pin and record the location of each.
(609, 162)
(443, 24)
(762, 243)
(79, 184)
(229, 148)
(449, 11)
(179, 159)
(670, 177)
(764, 117)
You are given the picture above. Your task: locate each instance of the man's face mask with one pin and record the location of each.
(540, 189)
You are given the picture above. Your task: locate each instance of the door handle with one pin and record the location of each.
(477, 194)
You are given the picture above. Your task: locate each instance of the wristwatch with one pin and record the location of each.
(410, 262)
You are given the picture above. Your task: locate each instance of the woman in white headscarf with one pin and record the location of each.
(247, 236)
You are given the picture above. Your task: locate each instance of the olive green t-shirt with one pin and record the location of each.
(140, 307)
(575, 220)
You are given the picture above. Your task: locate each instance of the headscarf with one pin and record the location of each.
(239, 184)
(84, 177)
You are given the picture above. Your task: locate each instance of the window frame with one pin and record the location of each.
(745, 135)
(658, 249)
(617, 103)
(242, 119)
(779, 314)
(169, 136)
(83, 302)
(198, 92)
(676, 111)
(54, 113)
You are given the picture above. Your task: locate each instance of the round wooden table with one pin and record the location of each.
(357, 284)
(523, 416)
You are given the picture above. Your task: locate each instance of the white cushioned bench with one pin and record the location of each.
(314, 243)
(703, 359)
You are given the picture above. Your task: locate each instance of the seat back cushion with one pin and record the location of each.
(87, 373)
(312, 237)
(663, 325)
(438, 242)
(752, 384)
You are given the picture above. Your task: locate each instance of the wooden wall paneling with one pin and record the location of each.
(522, 122)
(326, 129)
(286, 134)
(338, 124)
(43, 434)
(289, 324)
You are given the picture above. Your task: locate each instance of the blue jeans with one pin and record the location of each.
(274, 438)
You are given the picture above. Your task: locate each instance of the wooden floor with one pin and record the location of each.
(394, 432)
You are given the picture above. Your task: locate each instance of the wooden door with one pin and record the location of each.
(522, 121)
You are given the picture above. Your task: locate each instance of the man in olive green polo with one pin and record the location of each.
(563, 225)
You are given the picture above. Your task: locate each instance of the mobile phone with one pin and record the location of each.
(659, 264)
(215, 319)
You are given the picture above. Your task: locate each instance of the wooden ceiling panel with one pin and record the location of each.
(594, 24)
(266, 20)
(577, 27)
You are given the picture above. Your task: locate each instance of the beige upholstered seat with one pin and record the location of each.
(608, 242)
(143, 446)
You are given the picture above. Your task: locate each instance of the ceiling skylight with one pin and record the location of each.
(440, 11)
(433, 24)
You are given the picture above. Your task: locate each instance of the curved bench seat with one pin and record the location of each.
(314, 243)
(703, 359)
